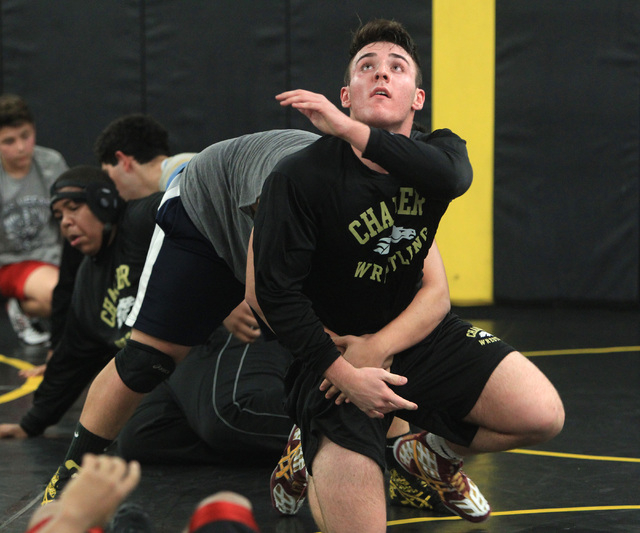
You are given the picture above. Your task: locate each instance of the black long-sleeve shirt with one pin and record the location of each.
(61, 302)
(339, 245)
(104, 292)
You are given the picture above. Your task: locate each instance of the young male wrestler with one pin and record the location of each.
(134, 151)
(30, 242)
(346, 253)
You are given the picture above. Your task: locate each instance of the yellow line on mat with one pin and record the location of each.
(576, 456)
(576, 351)
(519, 512)
(29, 385)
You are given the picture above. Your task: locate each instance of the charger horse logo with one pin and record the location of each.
(397, 234)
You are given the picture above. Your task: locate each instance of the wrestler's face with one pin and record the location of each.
(16, 147)
(382, 91)
(78, 224)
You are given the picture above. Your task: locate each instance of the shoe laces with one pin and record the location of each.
(404, 487)
(289, 467)
(458, 482)
(454, 483)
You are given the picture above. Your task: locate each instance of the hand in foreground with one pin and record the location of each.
(242, 323)
(12, 431)
(91, 498)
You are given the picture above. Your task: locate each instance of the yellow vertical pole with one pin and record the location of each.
(463, 101)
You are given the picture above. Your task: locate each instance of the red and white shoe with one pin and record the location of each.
(457, 491)
(289, 479)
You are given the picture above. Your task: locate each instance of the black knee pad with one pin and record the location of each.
(141, 367)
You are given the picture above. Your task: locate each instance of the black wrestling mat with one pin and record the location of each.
(585, 480)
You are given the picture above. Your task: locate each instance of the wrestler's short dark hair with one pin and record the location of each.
(387, 31)
(14, 111)
(137, 135)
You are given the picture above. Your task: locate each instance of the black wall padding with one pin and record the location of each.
(567, 105)
(208, 70)
(77, 64)
(566, 151)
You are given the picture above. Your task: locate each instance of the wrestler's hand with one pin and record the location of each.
(318, 109)
(242, 323)
(368, 388)
(12, 431)
(360, 351)
(363, 350)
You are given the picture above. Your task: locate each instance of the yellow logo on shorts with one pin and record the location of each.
(483, 336)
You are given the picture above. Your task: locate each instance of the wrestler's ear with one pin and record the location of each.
(345, 97)
(126, 160)
(418, 101)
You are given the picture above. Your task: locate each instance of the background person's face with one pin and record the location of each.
(16, 147)
(78, 224)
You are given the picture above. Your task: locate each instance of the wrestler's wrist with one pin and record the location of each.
(339, 371)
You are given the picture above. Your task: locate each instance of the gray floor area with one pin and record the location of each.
(585, 480)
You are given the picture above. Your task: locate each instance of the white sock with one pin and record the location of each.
(440, 446)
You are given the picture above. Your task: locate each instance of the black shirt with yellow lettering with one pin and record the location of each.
(104, 292)
(337, 244)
